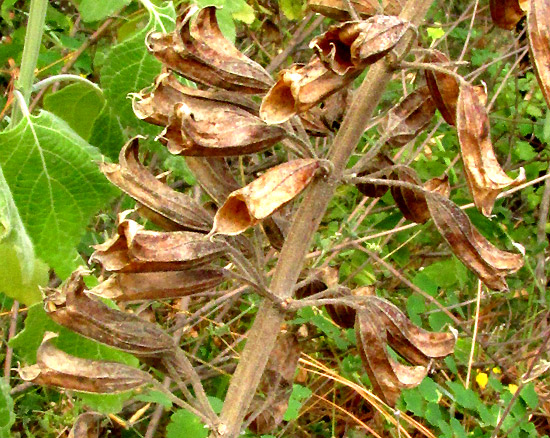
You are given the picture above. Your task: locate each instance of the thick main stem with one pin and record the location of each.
(266, 327)
(33, 38)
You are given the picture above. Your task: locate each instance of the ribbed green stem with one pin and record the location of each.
(33, 38)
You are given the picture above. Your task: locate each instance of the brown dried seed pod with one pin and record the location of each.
(443, 87)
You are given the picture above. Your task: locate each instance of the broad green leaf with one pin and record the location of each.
(464, 397)
(7, 416)
(7, 5)
(93, 10)
(16, 284)
(154, 396)
(297, 398)
(185, 424)
(129, 68)
(108, 133)
(530, 396)
(78, 104)
(55, 181)
(293, 9)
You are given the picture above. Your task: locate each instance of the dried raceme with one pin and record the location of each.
(538, 20)
(412, 203)
(443, 87)
(489, 263)
(379, 324)
(276, 383)
(378, 163)
(205, 123)
(135, 249)
(507, 13)
(300, 88)
(74, 308)
(354, 45)
(139, 286)
(247, 206)
(198, 51)
(135, 180)
(408, 118)
(56, 368)
(484, 175)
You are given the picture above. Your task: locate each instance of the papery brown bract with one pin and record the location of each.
(443, 87)
(135, 249)
(159, 285)
(214, 176)
(484, 175)
(136, 181)
(408, 118)
(356, 44)
(378, 163)
(412, 203)
(490, 264)
(388, 377)
(506, 13)
(73, 308)
(56, 368)
(247, 206)
(198, 51)
(539, 43)
(338, 10)
(300, 88)
(205, 123)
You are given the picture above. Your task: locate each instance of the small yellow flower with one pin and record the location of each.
(512, 388)
(482, 380)
(496, 370)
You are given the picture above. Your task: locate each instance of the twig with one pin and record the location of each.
(11, 333)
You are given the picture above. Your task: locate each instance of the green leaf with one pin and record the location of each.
(241, 11)
(55, 181)
(155, 397)
(414, 402)
(78, 104)
(14, 283)
(530, 396)
(464, 397)
(108, 133)
(299, 395)
(458, 430)
(185, 424)
(524, 151)
(7, 416)
(128, 68)
(93, 10)
(293, 9)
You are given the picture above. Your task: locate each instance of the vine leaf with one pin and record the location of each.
(443, 87)
(79, 104)
(539, 43)
(484, 175)
(197, 50)
(54, 367)
(247, 206)
(490, 264)
(507, 13)
(129, 67)
(55, 182)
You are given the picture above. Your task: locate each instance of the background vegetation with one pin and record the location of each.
(495, 386)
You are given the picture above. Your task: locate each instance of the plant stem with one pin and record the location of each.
(33, 39)
(266, 327)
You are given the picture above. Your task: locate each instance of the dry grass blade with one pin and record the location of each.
(489, 263)
(198, 50)
(57, 368)
(539, 43)
(136, 181)
(484, 175)
(256, 201)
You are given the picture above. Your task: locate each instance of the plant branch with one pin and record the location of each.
(33, 39)
(266, 327)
